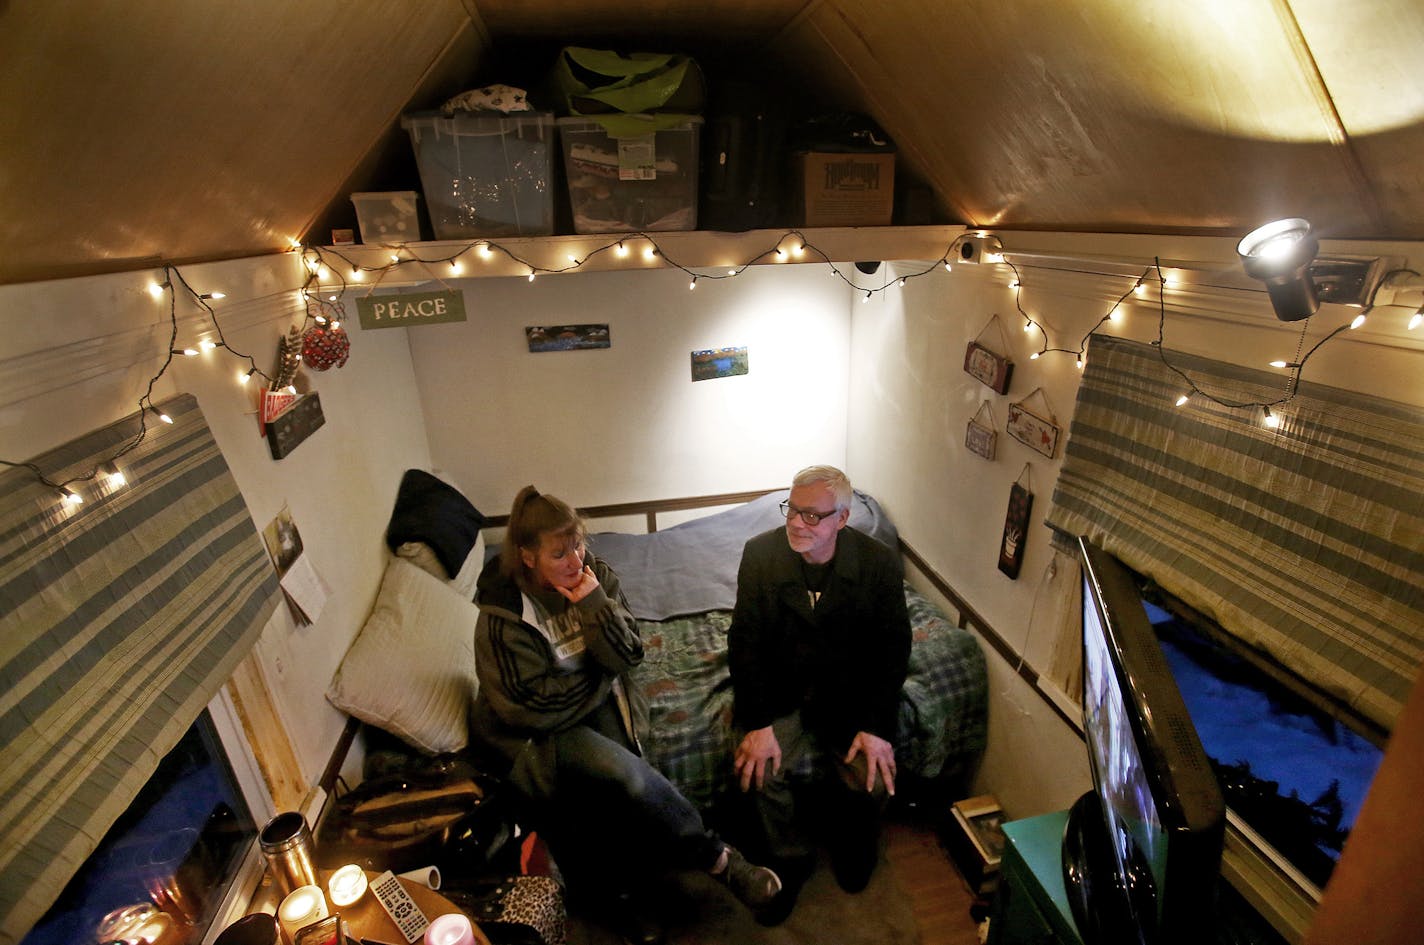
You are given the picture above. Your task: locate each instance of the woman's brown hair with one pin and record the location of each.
(533, 516)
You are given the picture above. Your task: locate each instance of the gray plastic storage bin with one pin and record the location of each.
(632, 172)
(485, 174)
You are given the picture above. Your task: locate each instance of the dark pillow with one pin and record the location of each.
(430, 510)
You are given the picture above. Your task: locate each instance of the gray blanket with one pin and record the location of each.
(692, 567)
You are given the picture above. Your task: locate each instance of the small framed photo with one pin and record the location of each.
(1032, 430)
(719, 362)
(991, 369)
(566, 337)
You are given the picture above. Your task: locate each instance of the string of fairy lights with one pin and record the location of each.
(329, 273)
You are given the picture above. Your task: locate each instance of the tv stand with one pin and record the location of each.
(1031, 906)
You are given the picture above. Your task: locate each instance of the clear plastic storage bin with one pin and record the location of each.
(388, 216)
(632, 172)
(485, 174)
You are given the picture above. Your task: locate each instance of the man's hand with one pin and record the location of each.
(879, 756)
(757, 750)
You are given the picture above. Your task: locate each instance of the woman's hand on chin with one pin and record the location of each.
(581, 588)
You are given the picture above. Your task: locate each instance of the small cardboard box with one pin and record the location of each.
(974, 837)
(845, 188)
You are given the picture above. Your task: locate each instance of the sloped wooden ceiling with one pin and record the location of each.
(186, 130)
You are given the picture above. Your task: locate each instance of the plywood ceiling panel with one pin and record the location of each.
(1139, 115)
(181, 130)
(152, 129)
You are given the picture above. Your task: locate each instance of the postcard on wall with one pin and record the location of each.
(992, 369)
(1011, 546)
(719, 362)
(303, 587)
(567, 337)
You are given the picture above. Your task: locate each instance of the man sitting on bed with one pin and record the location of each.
(818, 650)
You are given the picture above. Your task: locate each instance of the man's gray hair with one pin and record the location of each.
(831, 476)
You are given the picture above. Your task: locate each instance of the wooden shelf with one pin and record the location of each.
(703, 251)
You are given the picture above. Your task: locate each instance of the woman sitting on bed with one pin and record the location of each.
(557, 716)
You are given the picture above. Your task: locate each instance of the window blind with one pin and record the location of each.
(119, 621)
(1306, 541)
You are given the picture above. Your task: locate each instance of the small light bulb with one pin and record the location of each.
(1034, 356)
(356, 274)
(213, 295)
(456, 267)
(993, 257)
(798, 249)
(693, 283)
(1280, 364)
(573, 259)
(1014, 284)
(621, 250)
(1114, 316)
(69, 496)
(187, 352)
(1359, 320)
(164, 417)
(1272, 420)
(319, 319)
(866, 299)
(948, 267)
(294, 243)
(485, 251)
(395, 258)
(323, 273)
(156, 289)
(1028, 326)
(1414, 322)
(112, 474)
(902, 283)
(291, 388)
(244, 376)
(1079, 363)
(1183, 399)
(731, 272)
(335, 323)
(650, 253)
(206, 345)
(780, 254)
(531, 275)
(1140, 289)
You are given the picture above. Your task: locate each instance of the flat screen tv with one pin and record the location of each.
(1142, 850)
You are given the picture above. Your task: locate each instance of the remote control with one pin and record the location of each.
(399, 906)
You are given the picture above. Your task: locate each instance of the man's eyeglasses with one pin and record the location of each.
(808, 516)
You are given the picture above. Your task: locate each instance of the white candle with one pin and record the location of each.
(453, 929)
(303, 906)
(346, 885)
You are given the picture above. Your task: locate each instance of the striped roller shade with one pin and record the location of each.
(119, 621)
(1306, 541)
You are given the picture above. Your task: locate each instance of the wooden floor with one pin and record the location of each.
(940, 897)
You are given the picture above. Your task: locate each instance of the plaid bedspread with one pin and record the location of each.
(943, 705)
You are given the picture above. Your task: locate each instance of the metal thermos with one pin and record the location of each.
(286, 841)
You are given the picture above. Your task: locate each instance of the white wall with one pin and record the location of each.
(627, 422)
(79, 353)
(910, 401)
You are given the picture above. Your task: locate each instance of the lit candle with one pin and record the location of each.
(122, 924)
(303, 906)
(158, 930)
(453, 929)
(346, 885)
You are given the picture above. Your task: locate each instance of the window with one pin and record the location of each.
(166, 862)
(1292, 769)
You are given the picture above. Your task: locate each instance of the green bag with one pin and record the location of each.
(600, 82)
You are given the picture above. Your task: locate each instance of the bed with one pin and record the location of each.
(681, 585)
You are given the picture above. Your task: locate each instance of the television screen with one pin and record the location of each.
(1143, 848)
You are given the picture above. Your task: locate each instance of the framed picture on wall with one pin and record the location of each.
(1032, 430)
(566, 337)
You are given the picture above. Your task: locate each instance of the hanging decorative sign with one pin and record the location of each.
(987, 366)
(411, 308)
(1011, 546)
(981, 437)
(1033, 430)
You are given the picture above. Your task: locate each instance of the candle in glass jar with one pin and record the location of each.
(303, 906)
(453, 929)
(346, 885)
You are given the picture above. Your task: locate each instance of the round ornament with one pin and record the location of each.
(325, 347)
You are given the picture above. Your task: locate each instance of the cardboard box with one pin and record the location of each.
(845, 188)
(974, 837)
